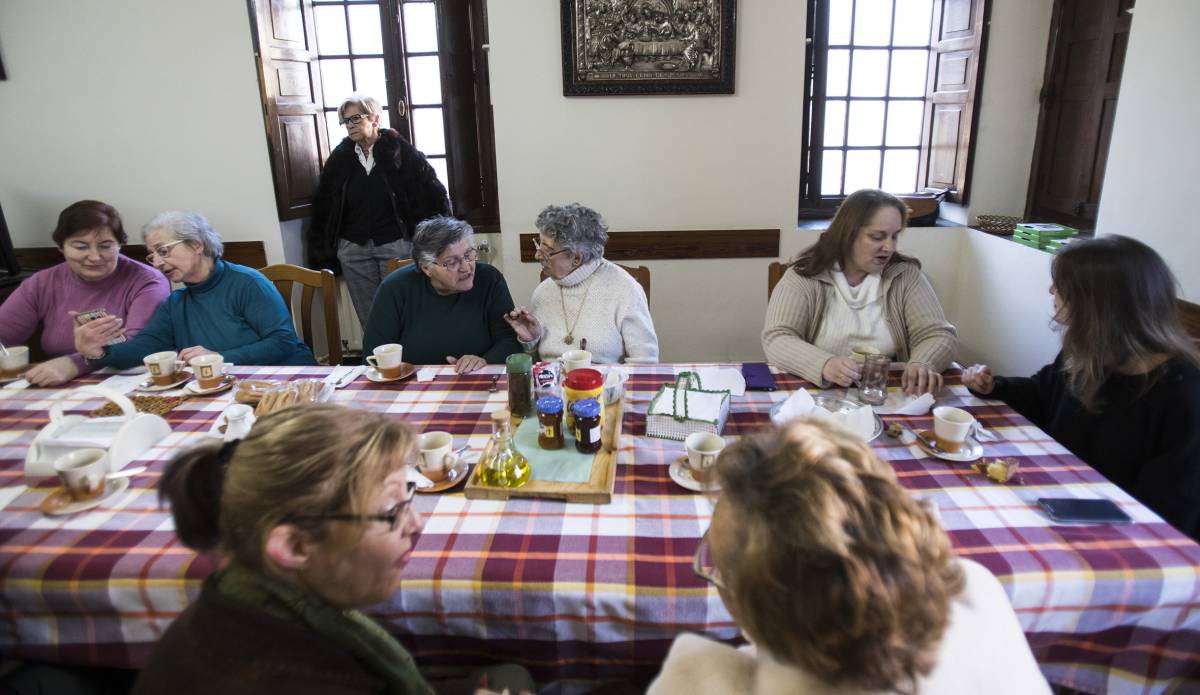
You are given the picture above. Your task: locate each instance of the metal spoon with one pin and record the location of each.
(495, 378)
(922, 438)
(3, 349)
(127, 473)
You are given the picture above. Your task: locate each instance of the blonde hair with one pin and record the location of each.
(838, 570)
(302, 460)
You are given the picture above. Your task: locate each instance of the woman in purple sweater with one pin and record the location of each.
(94, 275)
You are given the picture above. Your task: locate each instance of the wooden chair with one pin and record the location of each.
(398, 263)
(285, 276)
(775, 273)
(641, 273)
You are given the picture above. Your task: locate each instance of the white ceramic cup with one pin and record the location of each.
(575, 359)
(12, 364)
(436, 459)
(209, 370)
(387, 360)
(163, 366)
(951, 427)
(702, 451)
(83, 473)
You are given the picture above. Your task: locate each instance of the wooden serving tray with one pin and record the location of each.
(597, 490)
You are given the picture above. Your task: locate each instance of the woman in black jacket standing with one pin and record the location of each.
(374, 189)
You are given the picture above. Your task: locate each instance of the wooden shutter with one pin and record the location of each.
(290, 81)
(955, 74)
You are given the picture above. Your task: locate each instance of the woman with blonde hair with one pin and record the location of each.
(1124, 392)
(313, 510)
(842, 582)
(852, 289)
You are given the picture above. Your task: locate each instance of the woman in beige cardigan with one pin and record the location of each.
(852, 289)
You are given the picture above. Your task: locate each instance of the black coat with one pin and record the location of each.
(416, 193)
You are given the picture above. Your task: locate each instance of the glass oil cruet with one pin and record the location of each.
(506, 467)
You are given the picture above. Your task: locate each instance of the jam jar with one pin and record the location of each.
(550, 421)
(587, 425)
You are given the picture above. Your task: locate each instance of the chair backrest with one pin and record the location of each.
(775, 273)
(640, 273)
(285, 276)
(398, 263)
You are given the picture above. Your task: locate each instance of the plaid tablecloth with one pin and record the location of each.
(582, 593)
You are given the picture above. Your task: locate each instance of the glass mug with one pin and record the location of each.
(872, 382)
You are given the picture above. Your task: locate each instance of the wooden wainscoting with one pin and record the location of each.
(1190, 313)
(248, 253)
(671, 245)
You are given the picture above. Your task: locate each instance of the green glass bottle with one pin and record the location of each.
(506, 467)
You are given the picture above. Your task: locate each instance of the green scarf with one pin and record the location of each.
(354, 632)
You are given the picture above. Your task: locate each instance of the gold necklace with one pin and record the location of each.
(570, 337)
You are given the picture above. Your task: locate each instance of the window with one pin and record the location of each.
(889, 97)
(423, 60)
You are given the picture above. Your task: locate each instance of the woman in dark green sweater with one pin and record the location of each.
(1124, 393)
(446, 307)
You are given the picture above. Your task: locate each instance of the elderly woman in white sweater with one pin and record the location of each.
(584, 296)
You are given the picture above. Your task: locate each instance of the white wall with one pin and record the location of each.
(1150, 183)
(656, 163)
(148, 106)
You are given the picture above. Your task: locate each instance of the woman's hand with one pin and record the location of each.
(919, 378)
(91, 337)
(979, 379)
(524, 324)
(57, 371)
(467, 363)
(191, 353)
(841, 371)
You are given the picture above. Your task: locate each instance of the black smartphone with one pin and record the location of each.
(1077, 511)
(758, 376)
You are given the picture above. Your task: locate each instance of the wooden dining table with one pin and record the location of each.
(582, 594)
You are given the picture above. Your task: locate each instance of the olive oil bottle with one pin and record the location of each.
(506, 467)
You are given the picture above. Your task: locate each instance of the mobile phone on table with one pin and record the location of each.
(758, 376)
(1077, 511)
(89, 316)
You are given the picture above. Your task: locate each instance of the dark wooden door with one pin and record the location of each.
(1079, 99)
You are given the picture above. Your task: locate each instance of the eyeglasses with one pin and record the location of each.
(702, 563)
(538, 248)
(162, 251)
(391, 517)
(355, 119)
(455, 263)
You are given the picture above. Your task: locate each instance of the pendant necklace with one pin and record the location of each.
(570, 337)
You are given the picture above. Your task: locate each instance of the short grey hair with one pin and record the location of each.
(576, 229)
(187, 226)
(366, 104)
(437, 234)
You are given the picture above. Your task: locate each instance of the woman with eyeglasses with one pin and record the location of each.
(584, 296)
(93, 279)
(222, 307)
(313, 513)
(841, 582)
(374, 190)
(446, 307)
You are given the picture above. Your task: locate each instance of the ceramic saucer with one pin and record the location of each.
(407, 369)
(149, 386)
(460, 472)
(58, 503)
(227, 381)
(682, 475)
(971, 449)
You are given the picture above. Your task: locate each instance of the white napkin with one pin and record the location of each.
(798, 404)
(124, 383)
(421, 481)
(860, 421)
(719, 379)
(14, 386)
(899, 404)
(614, 383)
(424, 375)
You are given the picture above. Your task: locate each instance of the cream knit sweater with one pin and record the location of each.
(910, 307)
(604, 304)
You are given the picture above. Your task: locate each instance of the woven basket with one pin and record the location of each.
(997, 224)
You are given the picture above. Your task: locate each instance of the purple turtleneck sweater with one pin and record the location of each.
(133, 292)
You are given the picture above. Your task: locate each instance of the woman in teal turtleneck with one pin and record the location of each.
(223, 307)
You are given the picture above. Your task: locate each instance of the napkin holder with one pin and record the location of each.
(685, 407)
(126, 437)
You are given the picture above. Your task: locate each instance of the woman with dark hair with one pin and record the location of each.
(852, 289)
(842, 583)
(93, 276)
(1124, 392)
(313, 510)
